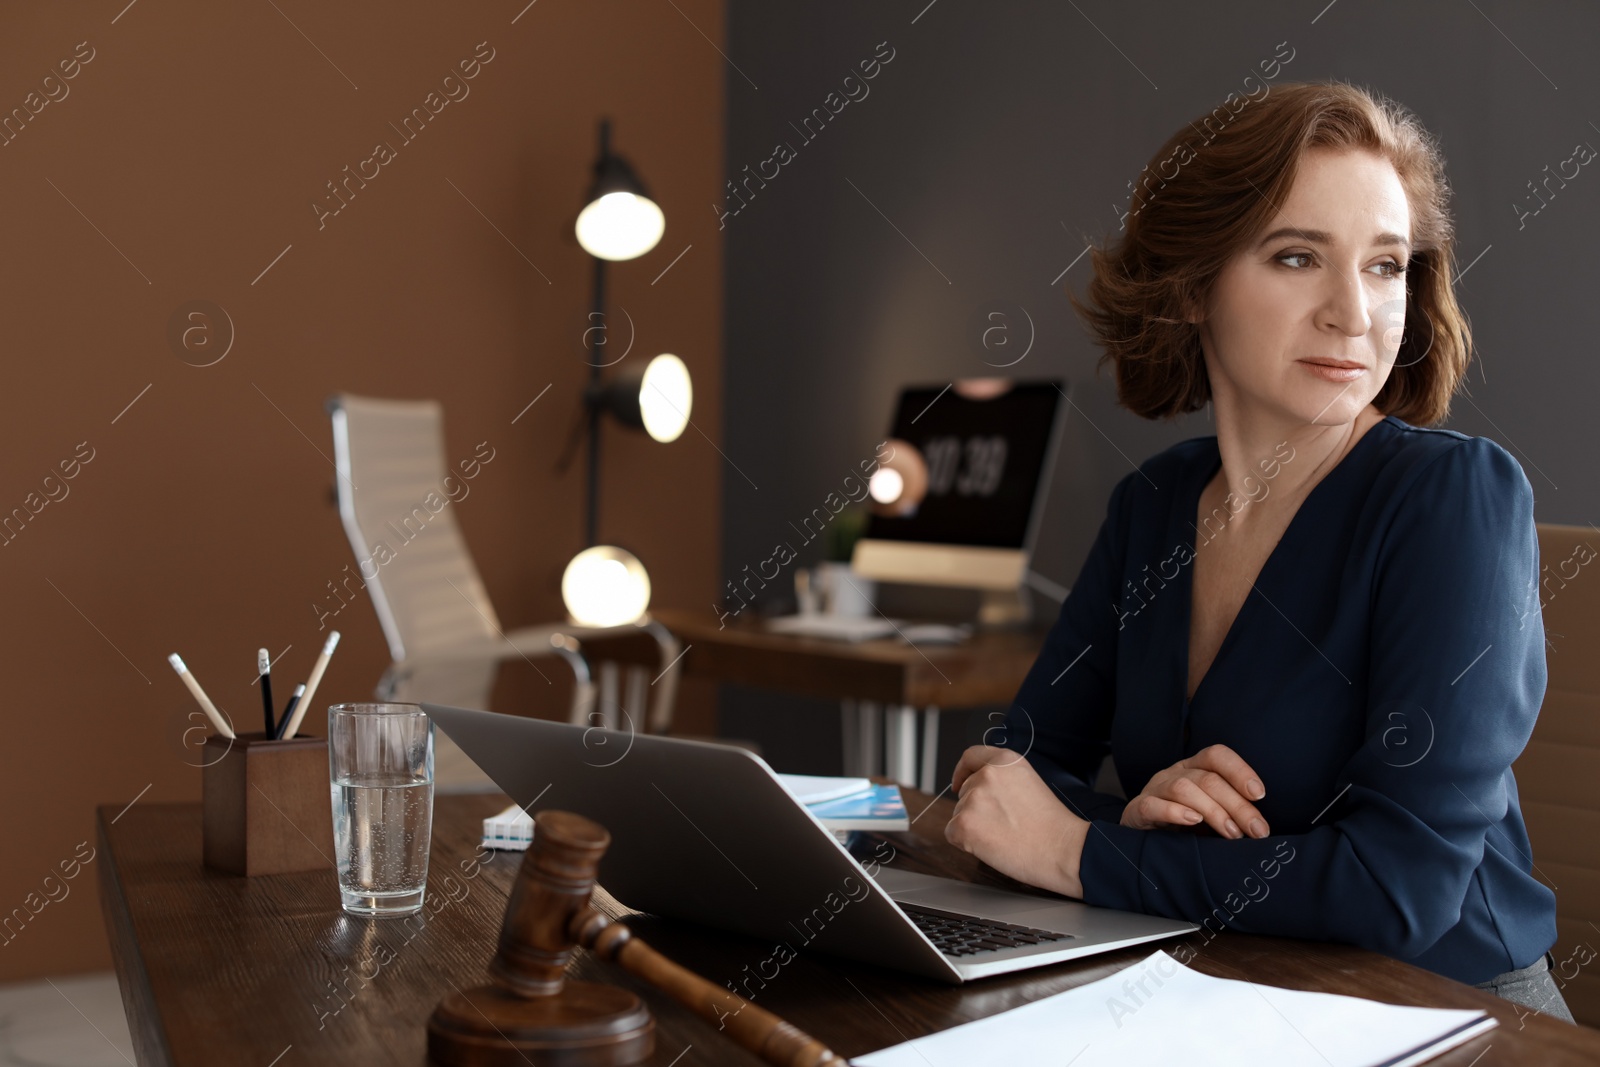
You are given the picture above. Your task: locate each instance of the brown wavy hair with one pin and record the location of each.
(1182, 228)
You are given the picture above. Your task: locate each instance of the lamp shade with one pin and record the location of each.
(619, 220)
(665, 397)
(656, 398)
(620, 226)
(605, 586)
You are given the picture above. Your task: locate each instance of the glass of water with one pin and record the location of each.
(380, 769)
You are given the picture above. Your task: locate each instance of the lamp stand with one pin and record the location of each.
(596, 335)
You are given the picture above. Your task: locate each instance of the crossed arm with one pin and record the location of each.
(1010, 819)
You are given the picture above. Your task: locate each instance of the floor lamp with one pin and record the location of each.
(605, 585)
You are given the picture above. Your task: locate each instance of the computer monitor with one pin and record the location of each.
(986, 448)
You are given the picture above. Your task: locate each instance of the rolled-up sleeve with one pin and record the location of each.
(1456, 675)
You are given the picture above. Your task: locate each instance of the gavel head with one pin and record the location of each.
(553, 884)
(531, 1014)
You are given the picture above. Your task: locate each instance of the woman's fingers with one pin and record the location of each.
(975, 757)
(1228, 763)
(1187, 790)
(1147, 812)
(1230, 814)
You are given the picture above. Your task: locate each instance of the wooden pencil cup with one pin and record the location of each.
(265, 804)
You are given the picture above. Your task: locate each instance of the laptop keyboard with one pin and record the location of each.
(964, 935)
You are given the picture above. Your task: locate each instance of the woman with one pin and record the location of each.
(1311, 643)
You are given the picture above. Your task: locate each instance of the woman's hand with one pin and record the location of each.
(1215, 784)
(1008, 818)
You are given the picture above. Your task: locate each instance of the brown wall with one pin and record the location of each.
(193, 142)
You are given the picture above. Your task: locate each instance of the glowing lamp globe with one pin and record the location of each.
(605, 586)
(886, 485)
(899, 484)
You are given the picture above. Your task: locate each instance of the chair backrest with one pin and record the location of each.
(397, 511)
(1556, 773)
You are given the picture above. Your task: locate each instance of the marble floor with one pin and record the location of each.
(73, 1021)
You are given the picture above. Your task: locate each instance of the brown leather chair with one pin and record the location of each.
(1558, 774)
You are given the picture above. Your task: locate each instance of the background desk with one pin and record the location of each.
(216, 969)
(882, 684)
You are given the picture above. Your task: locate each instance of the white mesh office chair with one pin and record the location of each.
(445, 641)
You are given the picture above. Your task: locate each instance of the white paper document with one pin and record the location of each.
(1159, 1013)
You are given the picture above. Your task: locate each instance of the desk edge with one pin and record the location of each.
(150, 1045)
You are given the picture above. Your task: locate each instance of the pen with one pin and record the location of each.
(311, 684)
(200, 696)
(264, 665)
(294, 700)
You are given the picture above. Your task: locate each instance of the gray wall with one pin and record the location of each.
(1001, 138)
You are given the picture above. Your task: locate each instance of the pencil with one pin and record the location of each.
(294, 699)
(200, 696)
(264, 665)
(311, 684)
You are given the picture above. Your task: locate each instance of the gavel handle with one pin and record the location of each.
(763, 1033)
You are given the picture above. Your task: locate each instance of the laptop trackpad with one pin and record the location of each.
(934, 892)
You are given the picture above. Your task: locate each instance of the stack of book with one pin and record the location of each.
(842, 805)
(847, 804)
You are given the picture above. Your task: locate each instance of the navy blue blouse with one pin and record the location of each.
(1381, 676)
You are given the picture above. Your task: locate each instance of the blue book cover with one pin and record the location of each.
(881, 809)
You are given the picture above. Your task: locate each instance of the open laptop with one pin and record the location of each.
(707, 833)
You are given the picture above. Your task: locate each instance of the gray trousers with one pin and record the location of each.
(1532, 987)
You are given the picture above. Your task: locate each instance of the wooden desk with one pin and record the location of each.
(216, 969)
(887, 674)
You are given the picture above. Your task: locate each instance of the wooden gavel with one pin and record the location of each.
(533, 1012)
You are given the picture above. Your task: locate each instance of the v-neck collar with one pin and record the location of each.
(1188, 513)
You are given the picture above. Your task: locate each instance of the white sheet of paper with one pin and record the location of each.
(1158, 1012)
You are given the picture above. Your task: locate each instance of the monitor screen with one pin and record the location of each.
(984, 460)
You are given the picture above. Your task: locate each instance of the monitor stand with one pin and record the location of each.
(1005, 609)
(997, 609)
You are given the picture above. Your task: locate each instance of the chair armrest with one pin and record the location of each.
(525, 643)
(668, 656)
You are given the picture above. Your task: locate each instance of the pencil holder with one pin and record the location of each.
(266, 804)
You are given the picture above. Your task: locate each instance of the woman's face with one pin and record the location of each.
(1321, 285)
